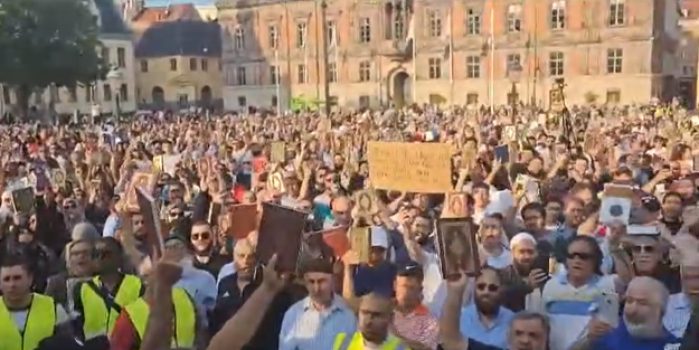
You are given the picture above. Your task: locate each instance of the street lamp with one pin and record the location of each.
(514, 72)
(114, 77)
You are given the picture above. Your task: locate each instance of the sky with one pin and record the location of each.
(165, 2)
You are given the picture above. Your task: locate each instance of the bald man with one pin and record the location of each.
(375, 317)
(642, 327)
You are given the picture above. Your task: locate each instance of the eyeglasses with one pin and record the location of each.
(581, 256)
(201, 236)
(490, 287)
(643, 248)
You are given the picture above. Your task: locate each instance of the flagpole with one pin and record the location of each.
(412, 23)
(451, 52)
(278, 86)
(492, 57)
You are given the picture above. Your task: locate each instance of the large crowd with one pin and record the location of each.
(585, 225)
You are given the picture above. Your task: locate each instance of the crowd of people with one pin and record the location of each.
(79, 270)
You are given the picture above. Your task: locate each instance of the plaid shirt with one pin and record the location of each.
(418, 325)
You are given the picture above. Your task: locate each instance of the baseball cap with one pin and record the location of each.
(410, 269)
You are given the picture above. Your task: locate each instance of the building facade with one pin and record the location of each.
(179, 65)
(117, 92)
(452, 51)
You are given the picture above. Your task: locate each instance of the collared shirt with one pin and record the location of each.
(569, 307)
(306, 328)
(200, 285)
(418, 325)
(495, 335)
(677, 314)
(621, 339)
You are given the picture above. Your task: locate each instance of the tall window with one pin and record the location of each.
(144, 66)
(6, 95)
(332, 72)
(435, 66)
(274, 75)
(239, 38)
(124, 93)
(556, 66)
(121, 57)
(107, 92)
(302, 74)
(615, 61)
(514, 60)
(301, 30)
(365, 30)
(514, 18)
(364, 71)
(105, 54)
(192, 64)
(173, 64)
(273, 36)
(558, 14)
(204, 64)
(242, 101)
(241, 76)
(398, 24)
(473, 67)
(435, 23)
(72, 94)
(332, 33)
(88, 93)
(616, 12)
(275, 101)
(473, 22)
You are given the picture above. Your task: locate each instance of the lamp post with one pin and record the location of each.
(114, 76)
(514, 72)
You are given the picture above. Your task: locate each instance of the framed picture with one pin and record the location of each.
(457, 247)
(455, 205)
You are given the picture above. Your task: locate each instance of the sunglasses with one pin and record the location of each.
(643, 249)
(486, 286)
(578, 255)
(201, 236)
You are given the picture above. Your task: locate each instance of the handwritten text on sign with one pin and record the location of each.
(410, 167)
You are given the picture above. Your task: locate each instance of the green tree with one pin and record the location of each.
(44, 42)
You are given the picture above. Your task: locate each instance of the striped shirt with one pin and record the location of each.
(305, 328)
(570, 308)
(677, 314)
(418, 325)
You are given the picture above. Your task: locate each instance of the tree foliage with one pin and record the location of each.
(44, 42)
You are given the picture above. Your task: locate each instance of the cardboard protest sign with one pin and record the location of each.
(278, 152)
(280, 233)
(360, 242)
(139, 179)
(243, 220)
(150, 209)
(457, 247)
(23, 200)
(410, 167)
(455, 205)
(616, 204)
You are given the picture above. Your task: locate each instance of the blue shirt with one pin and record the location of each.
(305, 328)
(471, 326)
(621, 339)
(377, 279)
(677, 314)
(110, 226)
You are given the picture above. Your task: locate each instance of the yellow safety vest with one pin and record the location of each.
(41, 321)
(97, 320)
(185, 318)
(357, 343)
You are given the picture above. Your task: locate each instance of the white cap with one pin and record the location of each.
(379, 237)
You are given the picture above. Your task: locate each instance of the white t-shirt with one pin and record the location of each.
(20, 317)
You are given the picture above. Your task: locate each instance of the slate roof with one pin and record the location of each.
(186, 12)
(173, 2)
(110, 17)
(180, 38)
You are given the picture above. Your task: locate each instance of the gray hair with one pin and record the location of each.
(530, 316)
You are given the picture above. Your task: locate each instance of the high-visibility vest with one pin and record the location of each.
(98, 319)
(356, 342)
(185, 318)
(41, 321)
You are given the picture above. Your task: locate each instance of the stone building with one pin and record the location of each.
(474, 51)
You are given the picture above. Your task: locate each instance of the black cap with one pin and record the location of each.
(411, 269)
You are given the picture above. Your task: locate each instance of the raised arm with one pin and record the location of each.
(449, 330)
